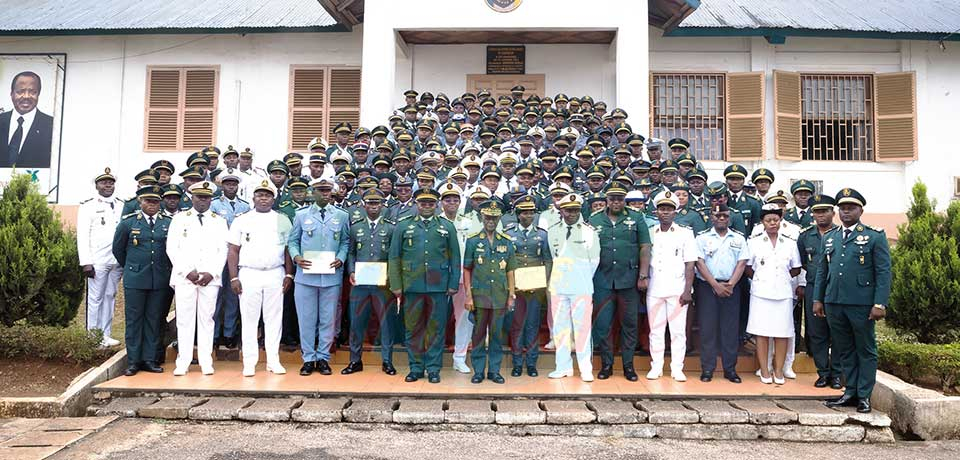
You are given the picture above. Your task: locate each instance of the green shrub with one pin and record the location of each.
(916, 361)
(73, 344)
(40, 277)
(925, 292)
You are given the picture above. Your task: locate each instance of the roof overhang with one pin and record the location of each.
(348, 13)
(778, 36)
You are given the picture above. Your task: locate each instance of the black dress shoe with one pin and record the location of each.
(308, 368)
(863, 406)
(194, 362)
(605, 372)
(495, 377)
(516, 372)
(706, 376)
(821, 382)
(412, 377)
(477, 378)
(152, 367)
(176, 345)
(733, 377)
(323, 367)
(388, 369)
(630, 374)
(355, 366)
(835, 383)
(433, 377)
(131, 370)
(843, 401)
(231, 343)
(532, 371)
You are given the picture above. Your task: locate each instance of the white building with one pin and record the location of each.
(847, 92)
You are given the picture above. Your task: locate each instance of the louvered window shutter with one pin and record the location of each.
(787, 111)
(181, 108)
(896, 116)
(307, 99)
(344, 99)
(745, 116)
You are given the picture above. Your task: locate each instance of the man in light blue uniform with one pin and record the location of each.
(228, 205)
(722, 257)
(320, 228)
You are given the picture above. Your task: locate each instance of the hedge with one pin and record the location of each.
(71, 344)
(917, 361)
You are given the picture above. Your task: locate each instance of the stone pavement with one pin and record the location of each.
(27, 439)
(749, 419)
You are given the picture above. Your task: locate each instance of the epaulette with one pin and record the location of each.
(284, 203)
(388, 221)
(161, 215)
(503, 235)
(787, 236)
(683, 226)
(86, 201)
(243, 201)
(808, 227)
(240, 214)
(475, 234)
(738, 232)
(597, 212)
(510, 226)
(704, 231)
(587, 224)
(214, 214)
(706, 218)
(753, 198)
(405, 218)
(683, 212)
(878, 230)
(129, 215)
(356, 221)
(758, 235)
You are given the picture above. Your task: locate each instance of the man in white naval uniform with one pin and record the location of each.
(97, 220)
(197, 247)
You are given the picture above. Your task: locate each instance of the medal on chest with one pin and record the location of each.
(503, 265)
(480, 260)
(248, 237)
(103, 221)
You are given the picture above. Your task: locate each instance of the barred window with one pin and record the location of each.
(837, 117)
(691, 106)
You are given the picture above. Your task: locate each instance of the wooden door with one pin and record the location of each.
(501, 84)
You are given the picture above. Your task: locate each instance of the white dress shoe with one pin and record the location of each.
(249, 371)
(206, 370)
(766, 380)
(461, 367)
(276, 369)
(759, 374)
(560, 374)
(789, 373)
(588, 377)
(110, 341)
(550, 345)
(654, 374)
(779, 381)
(180, 371)
(678, 376)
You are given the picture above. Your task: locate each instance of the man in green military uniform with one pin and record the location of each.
(801, 213)
(852, 289)
(622, 273)
(140, 246)
(144, 178)
(810, 245)
(295, 198)
(488, 266)
(748, 205)
(424, 272)
(762, 179)
(716, 192)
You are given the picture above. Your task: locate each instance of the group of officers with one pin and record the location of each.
(481, 213)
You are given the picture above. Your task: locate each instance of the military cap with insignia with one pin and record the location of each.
(319, 157)
(212, 151)
(295, 182)
(277, 165)
(163, 164)
(426, 173)
(346, 171)
(196, 158)
(621, 150)
(105, 175)
(668, 165)
(450, 189)
(695, 172)
(563, 172)
(193, 171)
(778, 197)
(571, 201)
(802, 184)
(666, 197)
(640, 165)
(426, 194)
(849, 195)
(749, 186)
(491, 208)
(525, 203)
(622, 127)
(323, 183)
(293, 158)
(596, 171)
(403, 181)
(373, 195)
(618, 113)
(762, 174)
(490, 171)
(229, 174)
(203, 188)
(362, 146)
(147, 176)
(604, 162)
(678, 143)
(635, 139)
(171, 190)
(367, 182)
(150, 191)
(716, 188)
(735, 170)
(770, 208)
(679, 186)
(686, 158)
(592, 197)
(410, 93)
(820, 201)
(616, 190)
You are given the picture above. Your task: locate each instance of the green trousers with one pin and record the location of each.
(142, 309)
(855, 341)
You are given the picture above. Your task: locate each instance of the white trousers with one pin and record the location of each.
(572, 326)
(258, 298)
(662, 311)
(101, 297)
(195, 308)
(463, 327)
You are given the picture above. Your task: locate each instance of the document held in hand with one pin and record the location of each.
(320, 262)
(530, 278)
(371, 273)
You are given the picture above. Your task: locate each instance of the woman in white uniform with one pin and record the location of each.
(774, 261)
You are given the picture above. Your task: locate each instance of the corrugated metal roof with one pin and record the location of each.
(891, 16)
(79, 15)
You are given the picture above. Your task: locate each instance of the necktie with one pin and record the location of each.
(200, 216)
(373, 226)
(569, 231)
(13, 150)
(111, 204)
(151, 221)
(323, 213)
(800, 215)
(846, 233)
(233, 205)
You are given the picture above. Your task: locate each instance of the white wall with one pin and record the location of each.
(886, 185)
(575, 69)
(105, 94)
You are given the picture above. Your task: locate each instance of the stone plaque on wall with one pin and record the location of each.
(506, 60)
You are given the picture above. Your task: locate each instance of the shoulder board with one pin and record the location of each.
(239, 214)
(808, 227)
(758, 235)
(683, 212)
(597, 212)
(388, 221)
(356, 221)
(834, 230)
(407, 217)
(503, 235)
(510, 226)
(86, 201)
(738, 232)
(243, 201)
(703, 232)
(444, 217)
(214, 214)
(789, 237)
(751, 197)
(284, 203)
(475, 234)
(790, 209)
(129, 215)
(587, 224)
(876, 229)
(682, 226)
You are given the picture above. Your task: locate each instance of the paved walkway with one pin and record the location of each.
(28, 439)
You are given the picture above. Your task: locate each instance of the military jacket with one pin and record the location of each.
(399, 210)
(619, 248)
(316, 231)
(424, 256)
(854, 270)
(369, 244)
(737, 221)
(142, 250)
(130, 206)
(489, 263)
(792, 215)
(531, 246)
(749, 206)
(693, 219)
(810, 245)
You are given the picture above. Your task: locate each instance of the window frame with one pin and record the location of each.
(326, 110)
(181, 105)
(872, 113)
(722, 106)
